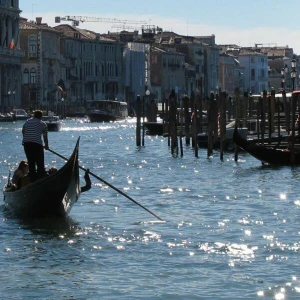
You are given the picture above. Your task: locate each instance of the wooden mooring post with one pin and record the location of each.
(187, 120)
(222, 123)
(193, 103)
(287, 112)
(237, 120)
(138, 120)
(212, 116)
(293, 111)
(173, 123)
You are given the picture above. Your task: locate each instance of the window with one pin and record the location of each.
(116, 70)
(33, 75)
(26, 76)
(252, 73)
(253, 59)
(32, 44)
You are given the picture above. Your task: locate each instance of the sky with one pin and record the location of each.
(245, 23)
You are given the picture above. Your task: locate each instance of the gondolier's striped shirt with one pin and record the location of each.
(33, 129)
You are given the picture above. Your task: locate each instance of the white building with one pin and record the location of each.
(256, 71)
(136, 70)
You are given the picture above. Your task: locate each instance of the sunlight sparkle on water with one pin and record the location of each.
(248, 232)
(282, 196)
(280, 295)
(166, 190)
(260, 293)
(244, 221)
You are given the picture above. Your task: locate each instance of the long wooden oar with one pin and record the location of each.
(110, 185)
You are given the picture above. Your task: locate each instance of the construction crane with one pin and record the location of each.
(135, 28)
(76, 19)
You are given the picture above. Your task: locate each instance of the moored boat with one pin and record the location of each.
(6, 118)
(155, 128)
(52, 195)
(267, 154)
(106, 110)
(20, 114)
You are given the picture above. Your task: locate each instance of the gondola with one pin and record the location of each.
(154, 128)
(266, 154)
(53, 195)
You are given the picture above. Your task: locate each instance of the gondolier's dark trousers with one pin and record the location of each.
(35, 157)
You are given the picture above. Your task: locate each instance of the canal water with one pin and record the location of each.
(230, 231)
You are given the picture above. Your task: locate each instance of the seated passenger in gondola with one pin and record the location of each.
(21, 172)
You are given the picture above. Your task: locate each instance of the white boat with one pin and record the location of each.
(106, 110)
(20, 114)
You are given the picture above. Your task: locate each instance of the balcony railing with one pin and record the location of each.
(11, 52)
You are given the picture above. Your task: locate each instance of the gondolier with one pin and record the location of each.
(33, 130)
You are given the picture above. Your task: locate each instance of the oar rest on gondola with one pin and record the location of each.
(267, 153)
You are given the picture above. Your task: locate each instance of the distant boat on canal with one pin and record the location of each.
(54, 123)
(20, 114)
(106, 110)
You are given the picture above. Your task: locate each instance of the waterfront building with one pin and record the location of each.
(10, 56)
(254, 68)
(41, 66)
(201, 57)
(194, 57)
(136, 71)
(256, 71)
(94, 65)
(71, 65)
(167, 72)
(231, 74)
(211, 80)
(279, 62)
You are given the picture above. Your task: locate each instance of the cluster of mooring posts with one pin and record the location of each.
(184, 119)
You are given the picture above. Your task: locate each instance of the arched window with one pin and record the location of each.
(26, 76)
(32, 44)
(32, 75)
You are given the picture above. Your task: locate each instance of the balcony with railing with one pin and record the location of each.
(11, 52)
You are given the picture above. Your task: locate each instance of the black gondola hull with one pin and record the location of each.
(52, 195)
(267, 154)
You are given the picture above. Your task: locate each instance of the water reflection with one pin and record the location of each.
(62, 227)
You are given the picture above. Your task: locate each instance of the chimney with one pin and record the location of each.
(38, 20)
